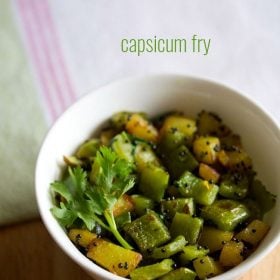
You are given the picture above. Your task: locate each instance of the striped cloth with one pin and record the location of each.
(35, 88)
(46, 57)
(52, 52)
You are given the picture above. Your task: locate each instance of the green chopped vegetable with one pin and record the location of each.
(144, 155)
(234, 186)
(119, 120)
(186, 225)
(192, 252)
(179, 274)
(254, 208)
(153, 182)
(181, 205)
(169, 249)
(142, 204)
(226, 214)
(72, 161)
(202, 191)
(264, 198)
(180, 160)
(88, 149)
(148, 231)
(123, 147)
(153, 271)
(123, 219)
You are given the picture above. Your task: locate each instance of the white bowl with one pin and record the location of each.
(154, 95)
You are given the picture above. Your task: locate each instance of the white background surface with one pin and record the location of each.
(244, 53)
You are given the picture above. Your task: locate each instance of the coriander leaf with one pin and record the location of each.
(75, 204)
(62, 189)
(65, 216)
(79, 178)
(88, 220)
(96, 200)
(111, 174)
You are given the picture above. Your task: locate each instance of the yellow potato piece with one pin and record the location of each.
(207, 267)
(214, 238)
(254, 232)
(231, 254)
(140, 127)
(208, 173)
(184, 125)
(206, 149)
(238, 159)
(223, 157)
(114, 258)
(81, 237)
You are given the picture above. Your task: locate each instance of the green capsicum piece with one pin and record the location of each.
(191, 252)
(226, 214)
(186, 225)
(202, 191)
(181, 205)
(153, 182)
(181, 273)
(234, 186)
(118, 120)
(148, 231)
(141, 204)
(179, 160)
(123, 219)
(264, 198)
(122, 145)
(144, 155)
(88, 149)
(169, 249)
(153, 271)
(254, 208)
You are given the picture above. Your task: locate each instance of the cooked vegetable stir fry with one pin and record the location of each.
(167, 198)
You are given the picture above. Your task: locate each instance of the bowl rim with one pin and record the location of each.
(77, 256)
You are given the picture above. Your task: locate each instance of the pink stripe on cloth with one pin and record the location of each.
(48, 52)
(39, 67)
(46, 55)
(59, 55)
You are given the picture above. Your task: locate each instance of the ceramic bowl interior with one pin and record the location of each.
(154, 95)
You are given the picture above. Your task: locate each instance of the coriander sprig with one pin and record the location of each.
(111, 177)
